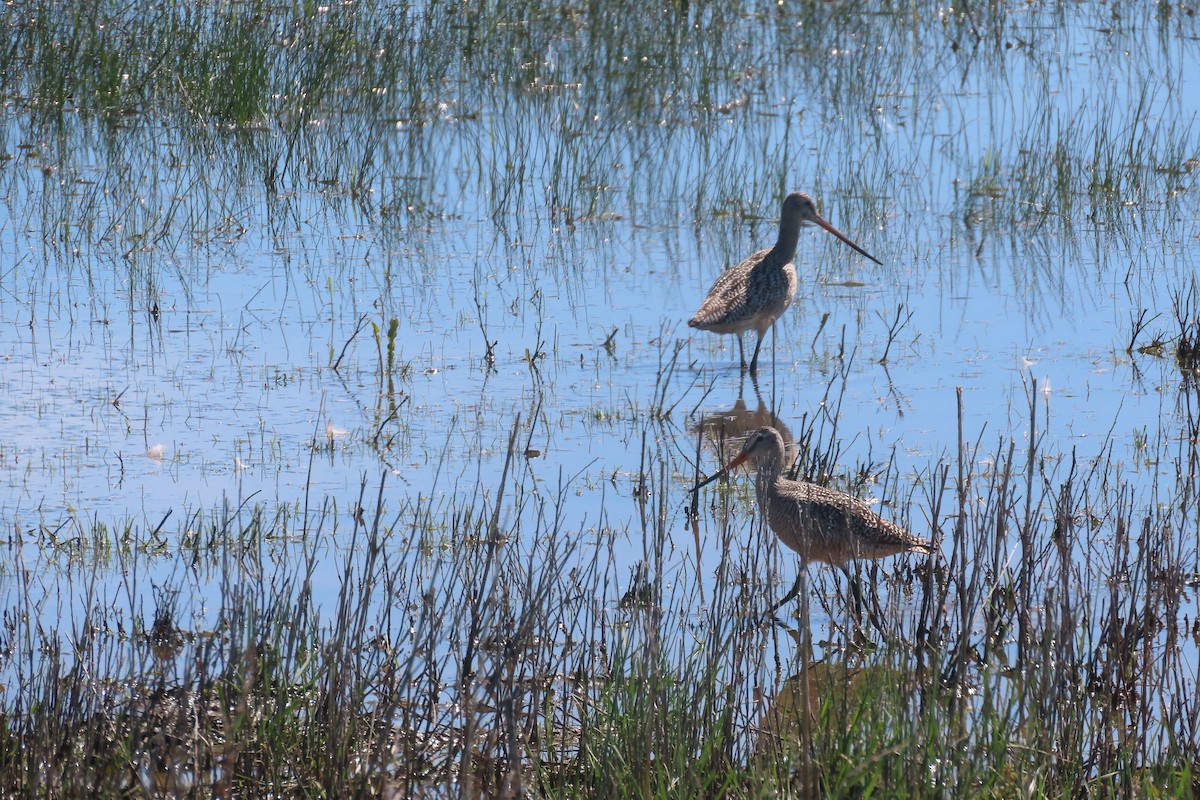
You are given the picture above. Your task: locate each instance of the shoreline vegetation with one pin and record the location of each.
(484, 642)
(1048, 649)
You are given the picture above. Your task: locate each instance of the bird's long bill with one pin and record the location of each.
(839, 235)
(732, 465)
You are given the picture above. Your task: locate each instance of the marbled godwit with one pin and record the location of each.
(819, 523)
(757, 291)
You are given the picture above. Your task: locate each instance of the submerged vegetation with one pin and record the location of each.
(384, 103)
(218, 216)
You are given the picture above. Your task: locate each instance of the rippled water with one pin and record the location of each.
(177, 294)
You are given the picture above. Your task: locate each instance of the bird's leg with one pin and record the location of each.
(754, 360)
(860, 605)
(741, 353)
(795, 590)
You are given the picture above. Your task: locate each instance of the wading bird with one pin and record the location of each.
(757, 291)
(819, 523)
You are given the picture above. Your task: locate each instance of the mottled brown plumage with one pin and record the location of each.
(819, 523)
(756, 292)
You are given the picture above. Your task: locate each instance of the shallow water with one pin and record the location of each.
(173, 320)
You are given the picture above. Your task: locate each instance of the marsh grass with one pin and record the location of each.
(1185, 305)
(1049, 648)
(392, 107)
(476, 641)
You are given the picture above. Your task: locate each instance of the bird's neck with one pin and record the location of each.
(789, 237)
(769, 470)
